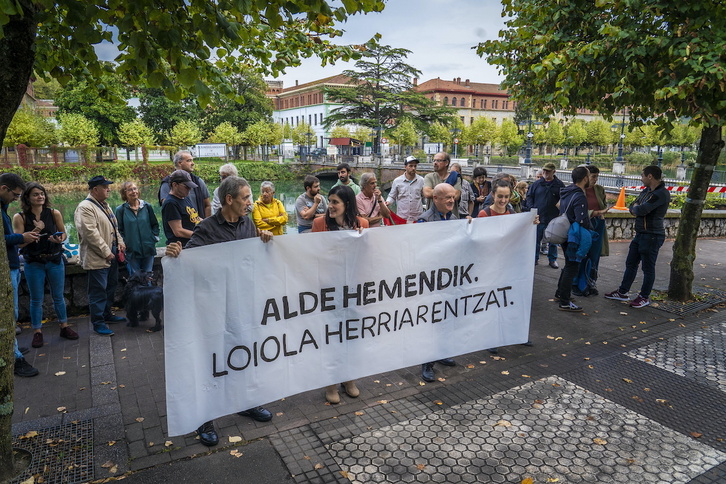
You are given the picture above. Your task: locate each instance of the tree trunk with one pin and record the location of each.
(17, 57)
(684, 248)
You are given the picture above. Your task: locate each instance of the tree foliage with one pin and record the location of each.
(135, 133)
(184, 134)
(226, 133)
(161, 113)
(77, 130)
(404, 134)
(481, 132)
(661, 60)
(340, 131)
(30, 129)
(508, 137)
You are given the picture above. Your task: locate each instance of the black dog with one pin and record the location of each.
(141, 298)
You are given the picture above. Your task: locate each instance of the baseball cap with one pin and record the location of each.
(181, 176)
(410, 159)
(98, 180)
(549, 166)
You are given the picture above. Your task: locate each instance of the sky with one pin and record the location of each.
(439, 33)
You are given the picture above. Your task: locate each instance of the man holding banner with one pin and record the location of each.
(442, 208)
(228, 224)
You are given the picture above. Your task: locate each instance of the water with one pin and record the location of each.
(285, 191)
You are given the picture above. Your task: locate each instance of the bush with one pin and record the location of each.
(640, 159)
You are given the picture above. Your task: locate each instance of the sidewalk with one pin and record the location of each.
(612, 394)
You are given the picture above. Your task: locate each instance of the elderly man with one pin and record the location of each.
(407, 192)
(225, 170)
(100, 241)
(370, 203)
(442, 208)
(649, 210)
(11, 188)
(310, 204)
(543, 195)
(438, 176)
(199, 197)
(344, 178)
(178, 216)
(228, 224)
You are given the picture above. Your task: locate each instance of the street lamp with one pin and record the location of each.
(454, 132)
(660, 155)
(620, 158)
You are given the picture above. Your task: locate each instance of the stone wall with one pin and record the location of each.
(621, 225)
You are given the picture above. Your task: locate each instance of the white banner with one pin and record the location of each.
(248, 323)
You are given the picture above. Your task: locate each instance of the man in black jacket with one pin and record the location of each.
(649, 209)
(573, 202)
(543, 195)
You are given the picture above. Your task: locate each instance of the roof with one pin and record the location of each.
(337, 79)
(344, 142)
(461, 87)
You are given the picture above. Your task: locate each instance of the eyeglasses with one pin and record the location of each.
(17, 194)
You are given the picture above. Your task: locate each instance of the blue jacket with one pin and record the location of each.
(544, 196)
(12, 240)
(579, 241)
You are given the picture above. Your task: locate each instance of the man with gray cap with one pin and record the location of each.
(100, 241)
(543, 195)
(178, 215)
(407, 192)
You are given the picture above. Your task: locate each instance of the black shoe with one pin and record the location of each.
(207, 435)
(577, 292)
(494, 351)
(528, 343)
(447, 362)
(23, 368)
(427, 372)
(258, 413)
(23, 350)
(569, 306)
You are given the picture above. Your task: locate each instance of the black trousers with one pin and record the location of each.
(568, 274)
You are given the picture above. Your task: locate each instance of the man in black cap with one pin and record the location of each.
(100, 241)
(543, 195)
(178, 215)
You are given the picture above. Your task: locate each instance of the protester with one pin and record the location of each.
(11, 188)
(495, 179)
(466, 200)
(407, 192)
(342, 214)
(649, 209)
(100, 242)
(310, 204)
(443, 204)
(268, 212)
(43, 258)
(199, 197)
(370, 203)
(345, 179)
(521, 189)
(438, 176)
(225, 170)
(544, 195)
(178, 216)
(228, 224)
(585, 283)
(573, 202)
(480, 187)
(139, 228)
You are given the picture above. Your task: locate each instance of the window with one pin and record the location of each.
(316, 117)
(495, 104)
(321, 118)
(463, 102)
(446, 101)
(310, 119)
(453, 101)
(471, 120)
(483, 103)
(462, 119)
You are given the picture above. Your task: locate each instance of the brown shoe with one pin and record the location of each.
(351, 389)
(67, 333)
(331, 394)
(37, 340)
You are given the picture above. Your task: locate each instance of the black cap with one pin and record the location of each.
(98, 180)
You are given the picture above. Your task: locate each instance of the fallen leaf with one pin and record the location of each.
(360, 413)
(61, 409)
(345, 474)
(502, 423)
(470, 365)
(168, 443)
(236, 453)
(550, 337)
(505, 372)
(111, 443)
(646, 389)
(30, 480)
(60, 373)
(420, 466)
(630, 461)
(599, 441)
(113, 470)
(696, 435)
(552, 479)
(234, 439)
(526, 376)
(318, 466)
(527, 480)
(123, 349)
(627, 380)
(558, 338)
(122, 386)
(662, 401)
(441, 379)
(421, 384)
(306, 457)
(586, 359)
(151, 444)
(108, 464)
(26, 410)
(376, 381)
(637, 398)
(139, 419)
(382, 401)
(66, 357)
(438, 402)
(279, 414)
(482, 362)
(105, 383)
(623, 313)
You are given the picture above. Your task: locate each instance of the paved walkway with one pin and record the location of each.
(612, 394)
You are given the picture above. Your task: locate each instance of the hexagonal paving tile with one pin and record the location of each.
(549, 429)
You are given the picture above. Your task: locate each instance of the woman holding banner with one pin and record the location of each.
(342, 214)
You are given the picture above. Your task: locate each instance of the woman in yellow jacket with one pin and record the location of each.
(269, 213)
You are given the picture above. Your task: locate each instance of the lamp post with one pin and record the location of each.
(660, 155)
(454, 132)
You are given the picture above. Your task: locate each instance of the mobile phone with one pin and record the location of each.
(57, 234)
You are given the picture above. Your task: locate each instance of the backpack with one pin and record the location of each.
(556, 231)
(488, 211)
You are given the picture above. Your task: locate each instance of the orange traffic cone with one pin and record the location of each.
(620, 204)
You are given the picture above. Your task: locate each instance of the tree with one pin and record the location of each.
(380, 92)
(226, 133)
(508, 137)
(134, 134)
(575, 134)
(78, 130)
(599, 133)
(30, 129)
(661, 60)
(340, 131)
(439, 133)
(184, 134)
(481, 132)
(105, 104)
(46, 89)
(554, 134)
(302, 133)
(363, 134)
(405, 135)
(161, 113)
(181, 48)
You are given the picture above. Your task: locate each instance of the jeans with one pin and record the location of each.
(35, 275)
(15, 280)
(135, 264)
(644, 248)
(101, 289)
(552, 253)
(304, 229)
(568, 274)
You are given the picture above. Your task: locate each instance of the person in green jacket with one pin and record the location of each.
(139, 228)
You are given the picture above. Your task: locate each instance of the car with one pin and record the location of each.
(318, 152)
